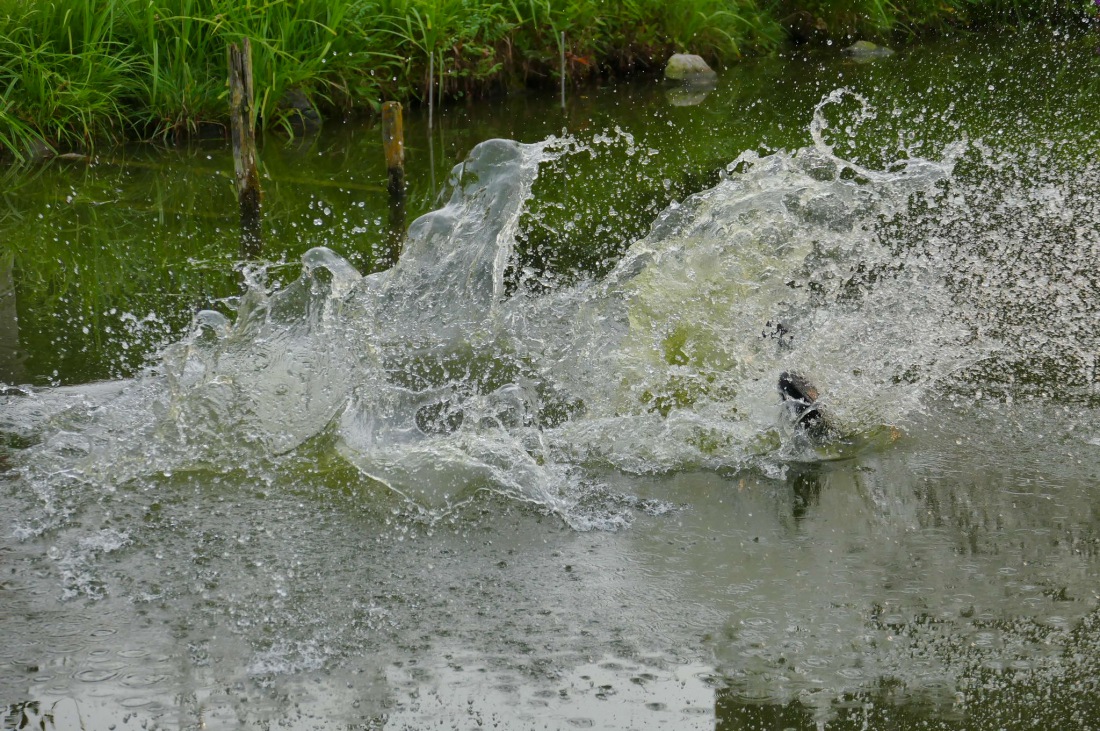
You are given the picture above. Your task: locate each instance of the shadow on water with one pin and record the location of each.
(805, 481)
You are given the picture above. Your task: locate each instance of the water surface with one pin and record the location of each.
(538, 474)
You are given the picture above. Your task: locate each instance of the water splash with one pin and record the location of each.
(439, 379)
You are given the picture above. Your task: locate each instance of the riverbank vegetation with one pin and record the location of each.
(74, 73)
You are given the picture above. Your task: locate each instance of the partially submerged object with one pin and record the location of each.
(801, 399)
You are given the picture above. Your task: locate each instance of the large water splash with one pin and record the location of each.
(435, 380)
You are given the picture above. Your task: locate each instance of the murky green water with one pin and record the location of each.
(538, 475)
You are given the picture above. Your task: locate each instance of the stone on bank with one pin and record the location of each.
(690, 69)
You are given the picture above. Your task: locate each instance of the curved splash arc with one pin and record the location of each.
(677, 370)
(268, 380)
(451, 270)
(445, 417)
(915, 170)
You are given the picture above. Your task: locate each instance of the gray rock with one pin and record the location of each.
(866, 49)
(691, 70)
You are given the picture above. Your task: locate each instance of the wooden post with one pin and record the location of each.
(242, 124)
(393, 144)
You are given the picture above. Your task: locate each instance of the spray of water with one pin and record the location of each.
(440, 380)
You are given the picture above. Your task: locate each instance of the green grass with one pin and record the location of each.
(76, 73)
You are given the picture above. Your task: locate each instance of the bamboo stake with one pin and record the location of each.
(242, 123)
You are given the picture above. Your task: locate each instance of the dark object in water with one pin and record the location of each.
(778, 331)
(802, 396)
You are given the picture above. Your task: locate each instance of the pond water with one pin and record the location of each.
(539, 473)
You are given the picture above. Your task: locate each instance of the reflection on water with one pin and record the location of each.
(11, 366)
(805, 481)
(515, 482)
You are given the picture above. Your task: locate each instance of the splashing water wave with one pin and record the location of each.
(432, 379)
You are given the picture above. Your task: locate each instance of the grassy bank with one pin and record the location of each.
(74, 73)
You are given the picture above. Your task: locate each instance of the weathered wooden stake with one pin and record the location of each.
(393, 144)
(242, 126)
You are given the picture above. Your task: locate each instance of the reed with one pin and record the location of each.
(65, 74)
(16, 136)
(74, 73)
